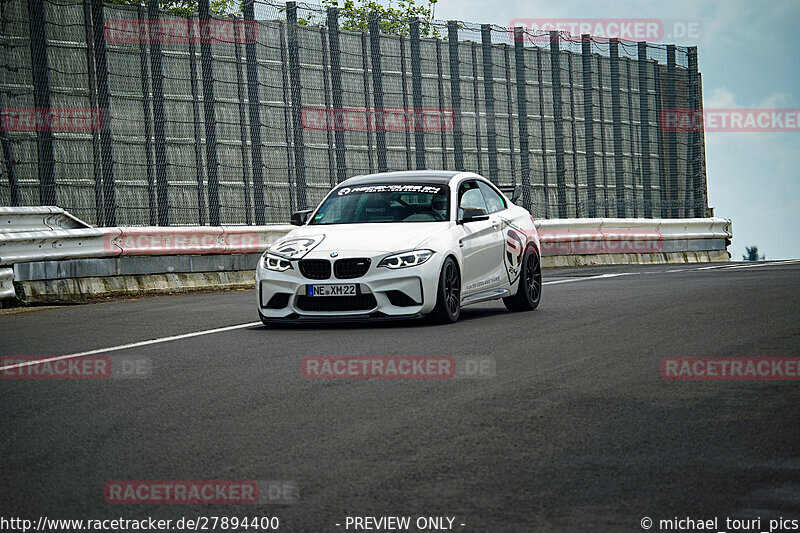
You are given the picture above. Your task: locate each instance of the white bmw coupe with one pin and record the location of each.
(402, 244)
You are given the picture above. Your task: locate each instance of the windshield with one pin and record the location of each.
(376, 203)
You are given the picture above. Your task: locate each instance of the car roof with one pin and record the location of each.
(428, 176)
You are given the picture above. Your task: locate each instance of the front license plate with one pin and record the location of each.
(350, 289)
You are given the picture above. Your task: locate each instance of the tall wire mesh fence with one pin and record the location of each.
(128, 115)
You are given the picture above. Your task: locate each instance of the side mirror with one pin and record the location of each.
(473, 214)
(514, 192)
(299, 218)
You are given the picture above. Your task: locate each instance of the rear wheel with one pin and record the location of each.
(529, 291)
(448, 297)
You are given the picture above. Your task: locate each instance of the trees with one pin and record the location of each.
(393, 20)
(752, 254)
(187, 8)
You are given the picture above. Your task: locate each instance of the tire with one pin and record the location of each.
(448, 296)
(529, 291)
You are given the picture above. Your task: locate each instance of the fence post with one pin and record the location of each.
(10, 164)
(297, 104)
(253, 99)
(97, 162)
(588, 125)
(198, 150)
(367, 106)
(694, 174)
(159, 118)
(573, 133)
(488, 91)
(101, 71)
(148, 126)
(416, 91)
(543, 132)
(404, 92)
(522, 116)
(558, 122)
(287, 118)
(326, 84)
(336, 90)
(212, 161)
(616, 119)
(377, 88)
(476, 99)
(455, 94)
(240, 90)
(673, 192)
(644, 113)
(509, 111)
(440, 87)
(41, 99)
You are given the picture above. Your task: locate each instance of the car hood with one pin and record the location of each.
(363, 238)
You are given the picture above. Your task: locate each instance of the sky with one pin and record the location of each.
(748, 57)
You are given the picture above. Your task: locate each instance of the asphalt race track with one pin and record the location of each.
(574, 430)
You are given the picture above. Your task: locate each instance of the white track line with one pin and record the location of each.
(132, 345)
(591, 277)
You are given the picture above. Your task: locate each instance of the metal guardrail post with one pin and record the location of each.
(558, 123)
(588, 125)
(40, 72)
(574, 136)
(416, 91)
(644, 114)
(455, 94)
(212, 161)
(522, 116)
(254, 110)
(616, 118)
(488, 91)
(159, 118)
(509, 110)
(377, 88)
(336, 91)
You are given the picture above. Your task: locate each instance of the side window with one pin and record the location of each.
(494, 201)
(469, 195)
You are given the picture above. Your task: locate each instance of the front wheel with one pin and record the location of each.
(448, 297)
(529, 291)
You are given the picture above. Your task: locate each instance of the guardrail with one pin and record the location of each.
(45, 237)
(39, 218)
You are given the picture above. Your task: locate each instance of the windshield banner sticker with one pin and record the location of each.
(425, 189)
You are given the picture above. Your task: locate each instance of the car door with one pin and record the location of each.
(481, 243)
(508, 260)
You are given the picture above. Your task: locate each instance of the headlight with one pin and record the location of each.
(406, 259)
(276, 263)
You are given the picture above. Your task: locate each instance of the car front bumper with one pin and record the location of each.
(382, 292)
